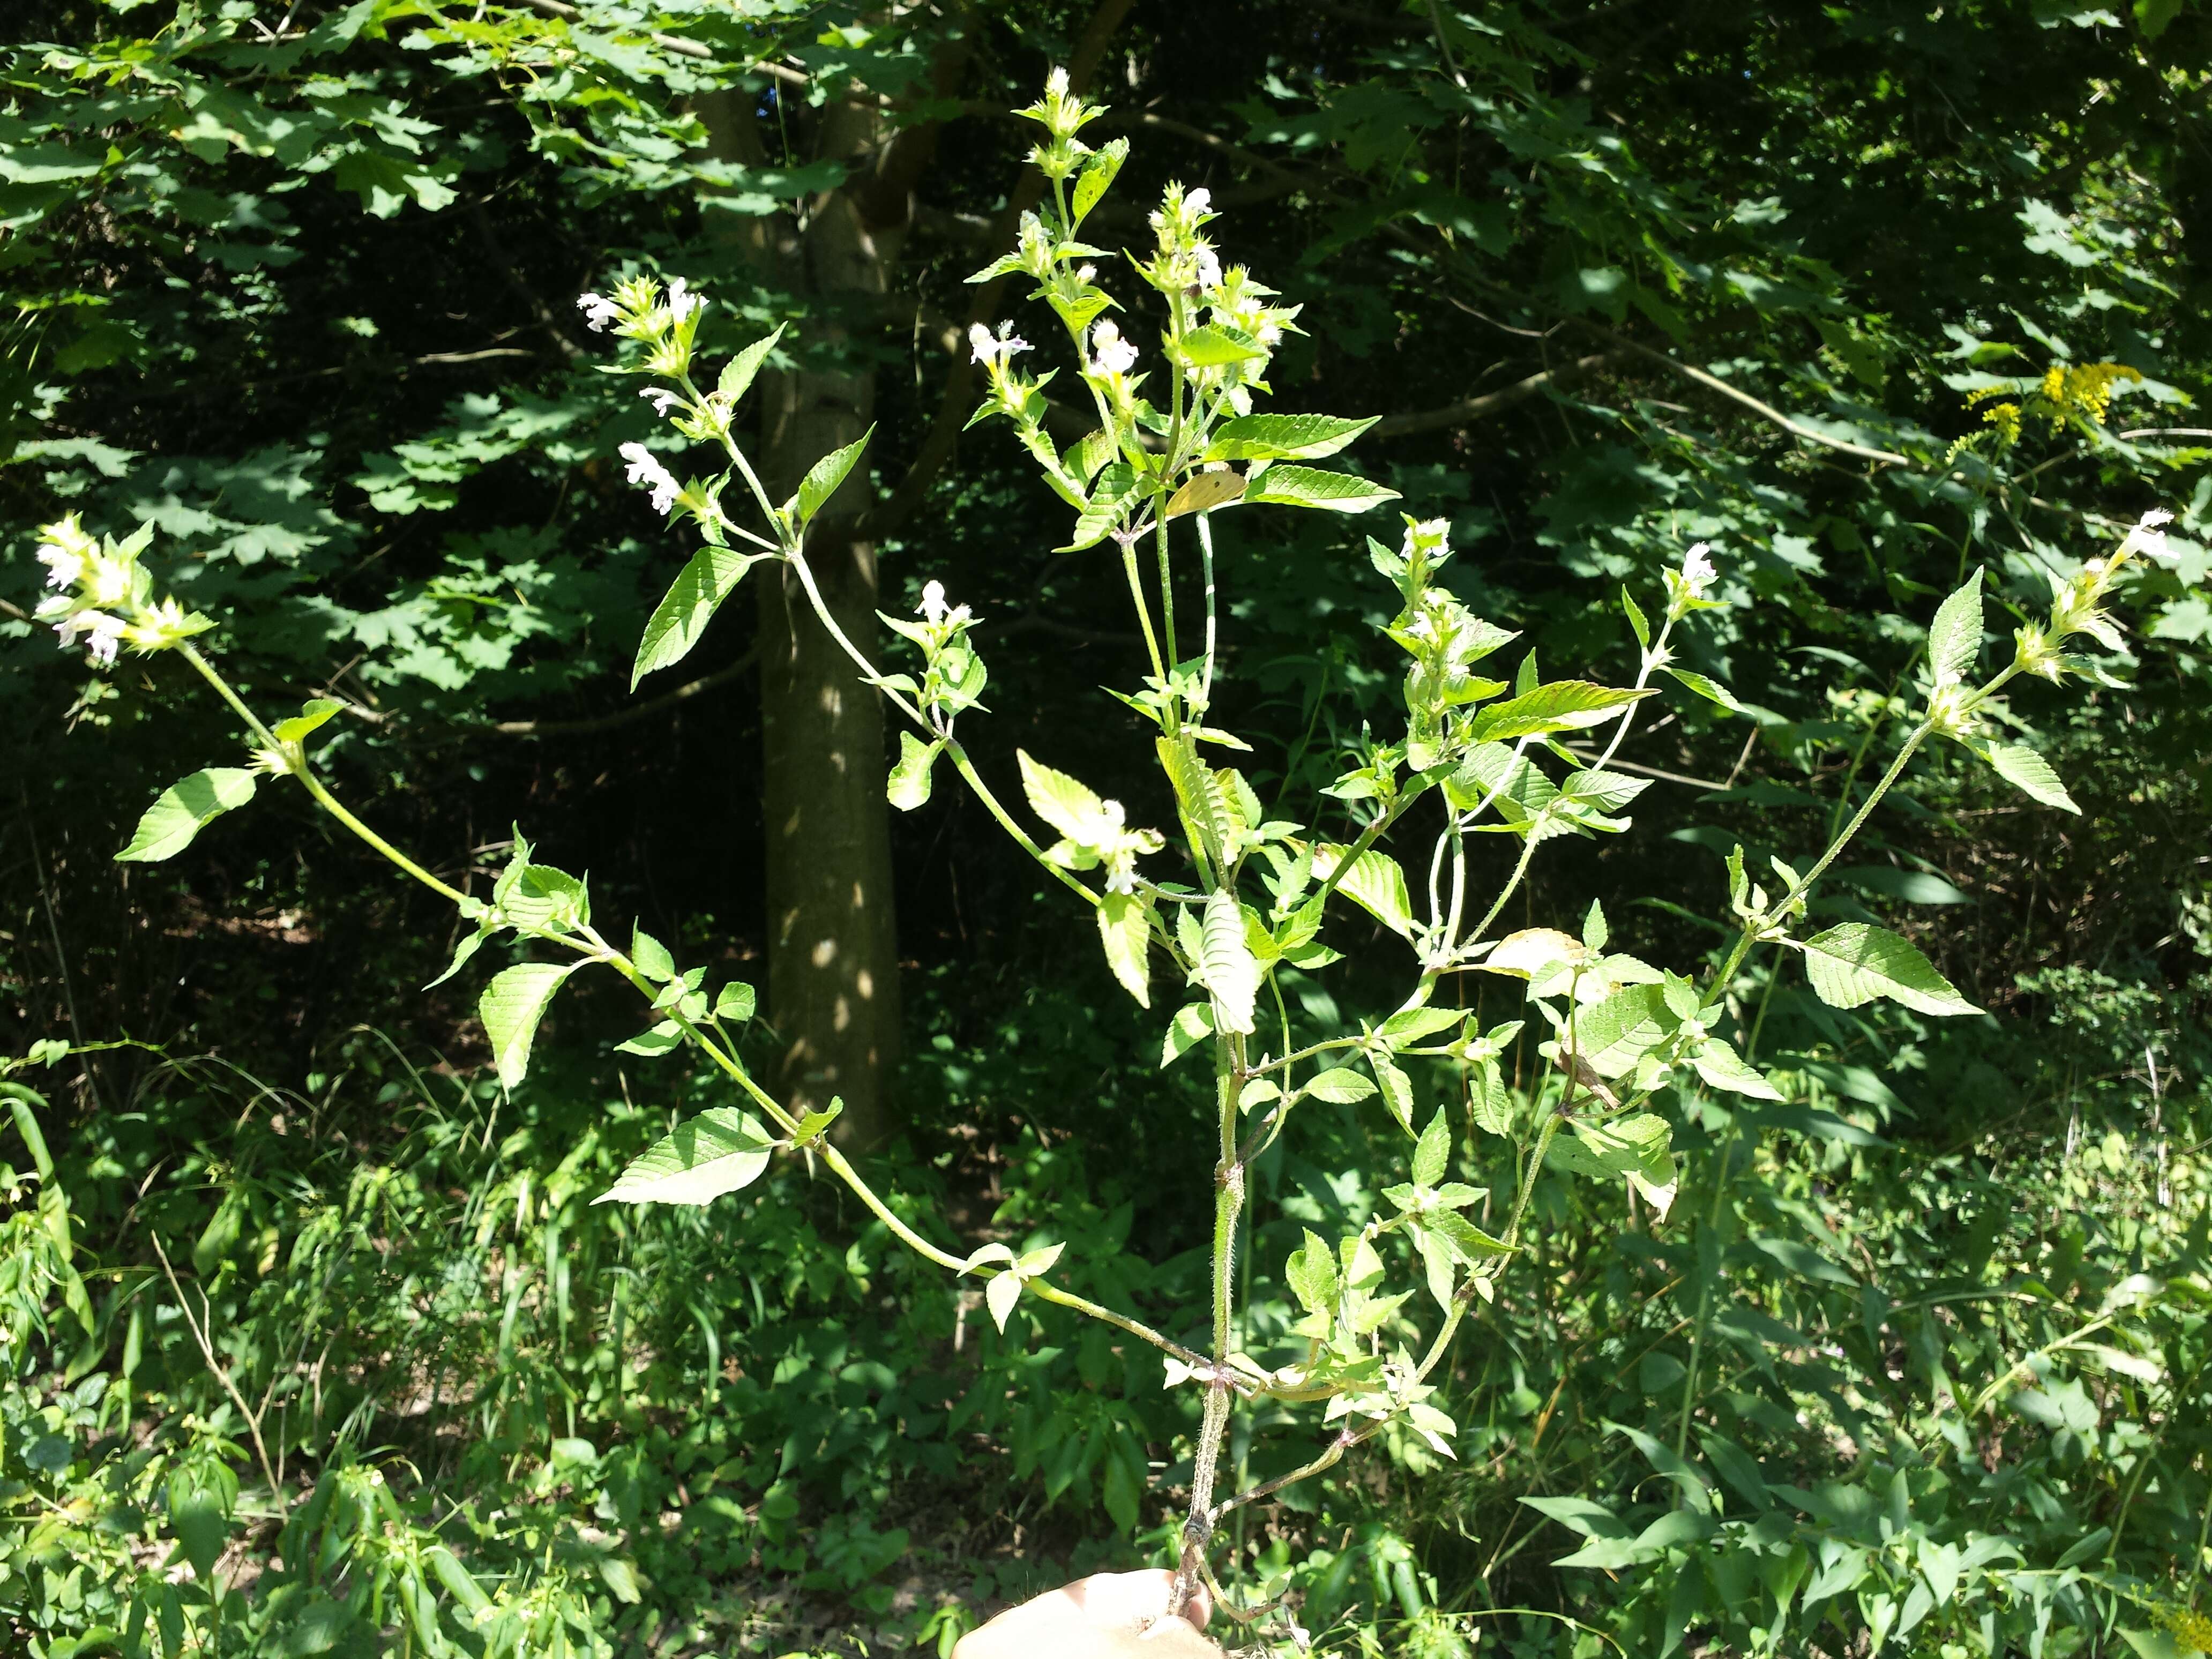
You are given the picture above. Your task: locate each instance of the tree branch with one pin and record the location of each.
(1470, 409)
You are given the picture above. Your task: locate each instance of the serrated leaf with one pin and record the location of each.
(1432, 1152)
(184, 809)
(1635, 613)
(1562, 706)
(1283, 437)
(1110, 502)
(470, 945)
(1198, 793)
(1719, 1064)
(1397, 1089)
(1212, 345)
(1612, 1034)
(1410, 1025)
(1306, 486)
(650, 956)
(1311, 1270)
(737, 373)
(663, 1038)
(715, 1152)
(1375, 883)
(1638, 1148)
(1193, 1023)
(1710, 690)
(679, 621)
(1098, 174)
(1955, 638)
(909, 783)
(1066, 805)
(808, 1130)
(311, 715)
(1226, 961)
(1856, 962)
(2028, 772)
(1124, 929)
(511, 1007)
(736, 1002)
(822, 478)
(1341, 1085)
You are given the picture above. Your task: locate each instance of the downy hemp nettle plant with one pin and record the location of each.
(1204, 909)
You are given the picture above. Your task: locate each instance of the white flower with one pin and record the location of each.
(599, 311)
(63, 567)
(1086, 274)
(1209, 268)
(991, 348)
(932, 602)
(645, 470)
(1199, 201)
(682, 303)
(661, 398)
(106, 581)
(104, 629)
(2147, 539)
(1055, 84)
(1113, 354)
(1698, 572)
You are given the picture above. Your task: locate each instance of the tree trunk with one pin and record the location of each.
(833, 988)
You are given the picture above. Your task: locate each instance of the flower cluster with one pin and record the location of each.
(1062, 115)
(1688, 589)
(645, 468)
(106, 597)
(2077, 601)
(639, 310)
(953, 675)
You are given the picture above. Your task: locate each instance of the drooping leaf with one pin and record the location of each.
(714, 1153)
(1212, 344)
(1111, 497)
(1432, 1152)
(1710, 689)
(1856, 962)
(1955, 638)
(1375, 883)
(1306, 486)
(1192, 1025)
(1283, 437)
(511, 1007)
(184, 809)
(909, 784)
(2031, 773)
(1000, 1294)
(1719, 1064)
(679, 621)
(822, 478)
(1227, 963)
(1124, 929)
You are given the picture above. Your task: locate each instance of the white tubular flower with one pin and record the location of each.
(990, 348)
(1111, 354)
(103, 630)
(63, 567)
(682, 303)
(2148, 538)
(106, 581)
(1209, 268)
(1430, 537)
(1698, 572)
(599, 311)
(661, 398)
(933, 605)
(1199, 201)
(644, 469)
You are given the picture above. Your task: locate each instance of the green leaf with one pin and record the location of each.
(1283, 437)
(1311, 1270)
(736, 1002)
(1226, 962)
(1305, 486)
(650, 956)
(1069, 806)
(822, 478)
(1955, 638)
(1110, 498)
(1612, 1034)
(1193, 1023)
(1636, 620)
(184, 809)
(1432, 1152)
(1710, 690)
(1341, 1085)
(311, 715)
(2029, 773)
(1000, 1295)
(680, 619)
(1397, 1089)
(663, 1038)
(1719, 1064)
(1212, 345)
(1638, 1148)
(511, 1007)
(909, 783)
(716, 1152)
(737, 373)
(1856, 962)
(1098, 174)
(1374, 882)
(1562, 706)
(1124, 929)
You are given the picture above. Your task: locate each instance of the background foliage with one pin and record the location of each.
(1920, 1359)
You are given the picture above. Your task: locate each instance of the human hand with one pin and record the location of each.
(1108, 1615)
